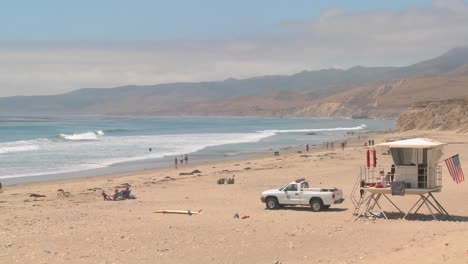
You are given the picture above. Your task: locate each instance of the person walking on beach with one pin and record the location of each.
(181, 160)
(186, 159)
(175, 162)
(307, 147)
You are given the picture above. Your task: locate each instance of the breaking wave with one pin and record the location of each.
(93, 135)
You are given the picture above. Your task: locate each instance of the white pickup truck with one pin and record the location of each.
(299, 193)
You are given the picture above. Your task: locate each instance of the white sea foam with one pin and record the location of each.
(11, 149)
(83, 136)
(52, 171)
(360, 127)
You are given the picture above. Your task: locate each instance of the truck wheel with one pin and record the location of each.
(316, 205)
(271, 203)
(325, 207)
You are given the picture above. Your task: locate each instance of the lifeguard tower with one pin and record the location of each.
(415, 171)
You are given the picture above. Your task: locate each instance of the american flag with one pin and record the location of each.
(454, 167)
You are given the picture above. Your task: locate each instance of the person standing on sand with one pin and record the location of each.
(1, 187)
(175, 162)
(307, 147)
(186, 159)
(181, 160)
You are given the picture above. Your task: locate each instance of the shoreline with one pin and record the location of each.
(166, 169)
(136, 167)
(36, 159)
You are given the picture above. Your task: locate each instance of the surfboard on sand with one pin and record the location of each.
(188, 212)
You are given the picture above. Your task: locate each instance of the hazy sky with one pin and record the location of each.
(49, 47)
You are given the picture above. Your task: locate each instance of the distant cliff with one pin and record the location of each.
(443, 115)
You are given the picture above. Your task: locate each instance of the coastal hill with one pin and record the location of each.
(355, 92)
(445, 115)
(388, 99)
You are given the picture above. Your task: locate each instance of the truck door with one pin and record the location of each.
(292, 195)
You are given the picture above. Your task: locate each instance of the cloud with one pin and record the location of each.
(336, 38)
(380, 35)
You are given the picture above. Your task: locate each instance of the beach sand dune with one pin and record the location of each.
(82, 228)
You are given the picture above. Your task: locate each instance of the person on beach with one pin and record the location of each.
(343, 145)
(1, 187)
(126, 193)
(186, 159)
(181, 160)
(116, 195)
(175, 162)
(307, 147)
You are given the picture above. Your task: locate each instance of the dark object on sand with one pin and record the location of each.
(106, 197)
(61, 192)
(35, 195)
(276, 153)
(227, 180)
(189, 173)
(221, 180)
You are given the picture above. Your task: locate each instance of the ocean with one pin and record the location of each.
(38, 148)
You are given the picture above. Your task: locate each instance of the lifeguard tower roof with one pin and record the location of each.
(412, 143)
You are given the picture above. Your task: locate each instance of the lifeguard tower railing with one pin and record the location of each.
(370, 176)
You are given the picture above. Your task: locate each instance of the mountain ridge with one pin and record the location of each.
(270, 95)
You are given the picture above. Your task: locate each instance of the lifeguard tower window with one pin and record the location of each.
(412, 166)
(409, 156)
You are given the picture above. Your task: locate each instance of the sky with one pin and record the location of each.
(52, 47)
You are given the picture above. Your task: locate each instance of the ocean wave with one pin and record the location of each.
(11, 149)
(93, 135)
(360, 127)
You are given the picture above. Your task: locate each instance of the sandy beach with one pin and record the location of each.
(83, 228)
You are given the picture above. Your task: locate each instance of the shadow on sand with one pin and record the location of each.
(308, 209)
(427, 217)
